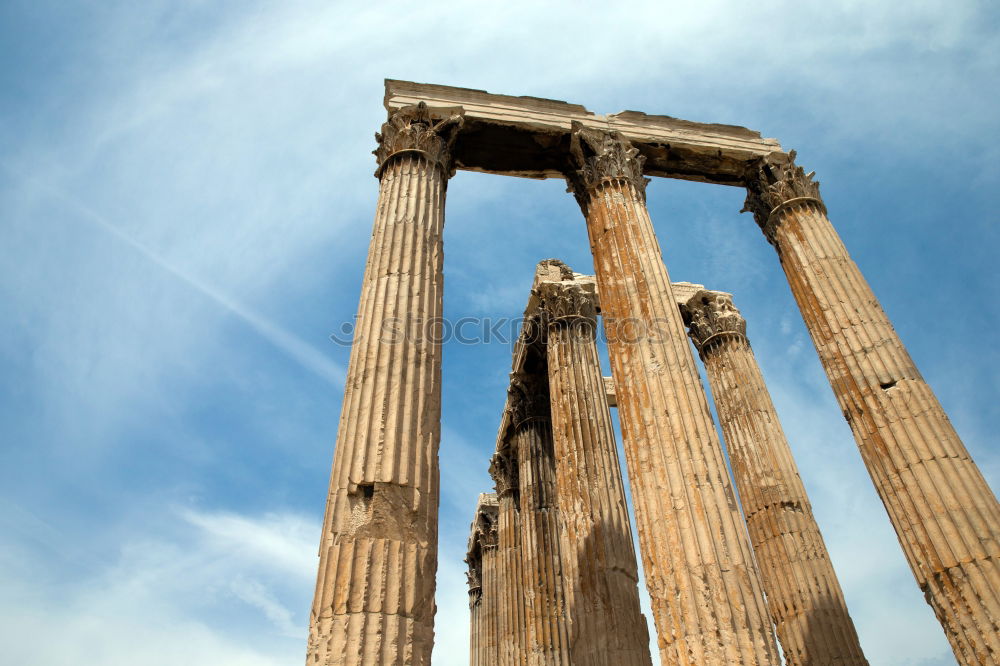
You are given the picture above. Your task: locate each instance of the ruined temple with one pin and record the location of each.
(552, 569)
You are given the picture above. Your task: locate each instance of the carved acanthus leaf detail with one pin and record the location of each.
(600, 155)
(473, 577)
(710, 314)
(771, 183)
(504, 470)
(413, 129)
(488, 537)
(528, 397)
(567, 302)
(484, 528)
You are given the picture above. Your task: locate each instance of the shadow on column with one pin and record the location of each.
(612, 641)
(822, 630)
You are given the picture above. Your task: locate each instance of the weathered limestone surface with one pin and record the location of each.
(541, 564)
(606, 625)
(706, 595)
(511, 635)
(530, 137)
(375, 583)
(482, 575)
(374, 599)
(944, 513)
(488, 643)
(609, 392)
(803, 593)
(474, 576)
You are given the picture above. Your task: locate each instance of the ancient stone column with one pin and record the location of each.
(481, 559)
(488, 613)
(803, 593)
(541, 564)
(945, 515)
(374, 599)
(510, 622)
(606, 626)
(474, 576)
(706, 595)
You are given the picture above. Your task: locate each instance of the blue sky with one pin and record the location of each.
(186, 197)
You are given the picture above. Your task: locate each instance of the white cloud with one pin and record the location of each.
(188, 587)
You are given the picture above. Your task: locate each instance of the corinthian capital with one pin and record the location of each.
(711, 315)
(412, 129)
(484, 525)
(528, 397)
(488, 535)
(567, 303)
(600, 155)
(474, 578)
(503, 469)
(772, 182)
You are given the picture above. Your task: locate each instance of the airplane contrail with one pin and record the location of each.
(305, 354)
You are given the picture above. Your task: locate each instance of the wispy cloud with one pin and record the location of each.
(308, 356)
(190, 181)
(168, 596)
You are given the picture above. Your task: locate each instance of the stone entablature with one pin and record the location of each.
(530, 136)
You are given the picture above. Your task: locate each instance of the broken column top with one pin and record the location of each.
(685, 291)
(486, 500)
(530, 136)
(483, 519)
(547, 270)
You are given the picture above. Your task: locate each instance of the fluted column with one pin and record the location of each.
(374, 599)
(706, 596)
(944, 513)
(803, 593)
(474, 576)
(481, 559)
(510, 622)
(541, 566)
(488, 642)
(606, 626)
